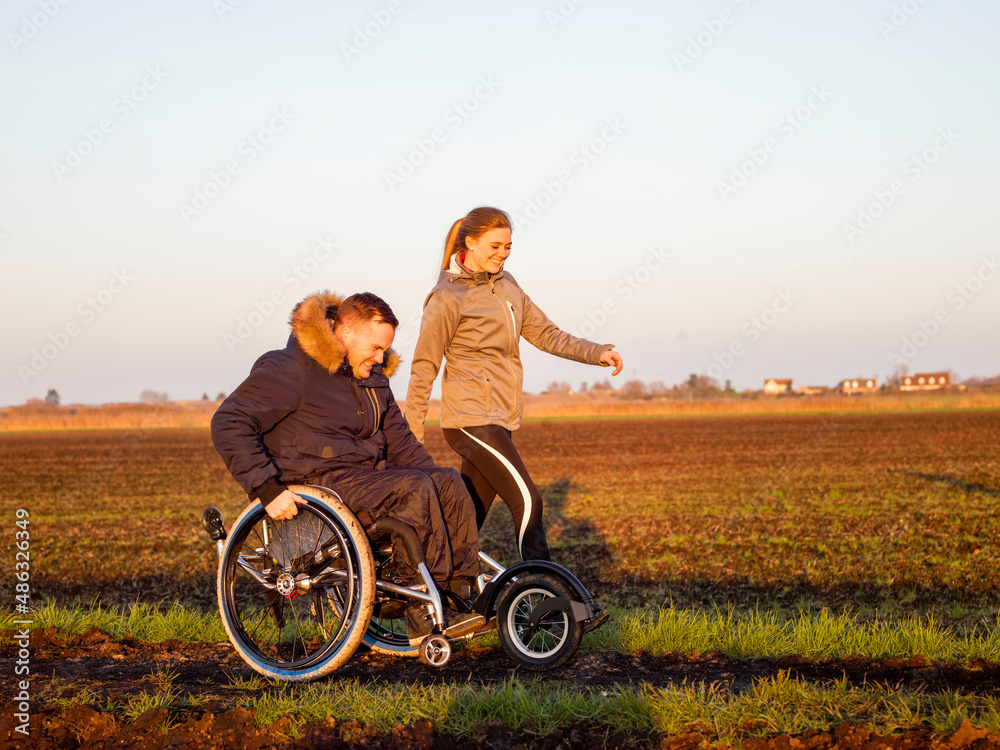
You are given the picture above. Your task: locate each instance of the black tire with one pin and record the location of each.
(558, 635)
(302, 635)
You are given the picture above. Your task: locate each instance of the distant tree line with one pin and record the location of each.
(696, 386)
(701, 386)
(51, 399)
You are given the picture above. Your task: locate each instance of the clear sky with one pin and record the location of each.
(745, 188)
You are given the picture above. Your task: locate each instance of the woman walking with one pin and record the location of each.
(474, 318)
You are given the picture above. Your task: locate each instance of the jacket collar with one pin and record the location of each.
(458, 270)
(312, 330)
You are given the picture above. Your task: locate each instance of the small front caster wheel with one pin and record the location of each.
(435, 651)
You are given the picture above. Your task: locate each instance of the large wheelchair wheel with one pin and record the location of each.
(296, 596)
(553, 639)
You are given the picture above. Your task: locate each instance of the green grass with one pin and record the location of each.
(781, 704)
(83, 697)
(766, 634)
(457, 709)
(667, 630)
(139, 704)
(769, 706)
(142, 621)
(250, 684)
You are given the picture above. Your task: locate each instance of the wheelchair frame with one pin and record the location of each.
(326, 559)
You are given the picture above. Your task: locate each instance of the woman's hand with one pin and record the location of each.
(611, 358)
(285, 506)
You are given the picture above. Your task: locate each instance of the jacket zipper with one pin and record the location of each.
(513, 331)
(357, 396)
(374, 403)
(513, 322)
(378, 412)
(513, 327)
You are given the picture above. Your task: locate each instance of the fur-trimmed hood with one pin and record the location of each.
(312, 327)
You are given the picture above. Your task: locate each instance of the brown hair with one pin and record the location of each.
(363, 308)
(474, 224)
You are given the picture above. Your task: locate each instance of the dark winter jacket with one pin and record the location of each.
(302, 412)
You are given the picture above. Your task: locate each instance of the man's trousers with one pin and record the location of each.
(434, 501)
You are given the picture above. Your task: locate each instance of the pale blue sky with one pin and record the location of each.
(515, 94)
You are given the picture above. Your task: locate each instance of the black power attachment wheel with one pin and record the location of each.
(537, 624)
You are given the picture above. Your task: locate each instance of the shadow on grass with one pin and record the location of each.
(964, 486)
(578, 546)
(573, 542)
(162, 590)
(953, 608)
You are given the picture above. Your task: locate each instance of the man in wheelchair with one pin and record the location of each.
(320, 411)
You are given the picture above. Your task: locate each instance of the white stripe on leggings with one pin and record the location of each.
(520, 483)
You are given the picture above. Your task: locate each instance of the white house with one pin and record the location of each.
(776, 386)
(925, 381)
(858, 386)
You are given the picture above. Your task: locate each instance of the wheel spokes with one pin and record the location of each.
(294, 628)
(547, 634)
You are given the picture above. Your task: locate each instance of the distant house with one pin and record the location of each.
(810, 390)
(859, 386)
(777, 386)
(925, 381)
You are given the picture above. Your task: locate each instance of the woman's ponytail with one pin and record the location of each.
(451, 243)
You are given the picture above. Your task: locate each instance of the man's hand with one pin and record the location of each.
(285, 506)
(611, 358)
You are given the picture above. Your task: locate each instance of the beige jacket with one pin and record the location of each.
(475, 323)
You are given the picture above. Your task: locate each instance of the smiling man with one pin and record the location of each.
(320, 411)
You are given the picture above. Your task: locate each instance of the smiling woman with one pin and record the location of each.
(474, 318)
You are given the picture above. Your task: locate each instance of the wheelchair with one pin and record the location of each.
(298, 597)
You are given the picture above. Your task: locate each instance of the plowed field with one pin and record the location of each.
(877, 514)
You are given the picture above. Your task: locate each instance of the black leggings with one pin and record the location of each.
(491, 466)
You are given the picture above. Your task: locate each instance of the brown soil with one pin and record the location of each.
(82, 727)
(118, 669)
